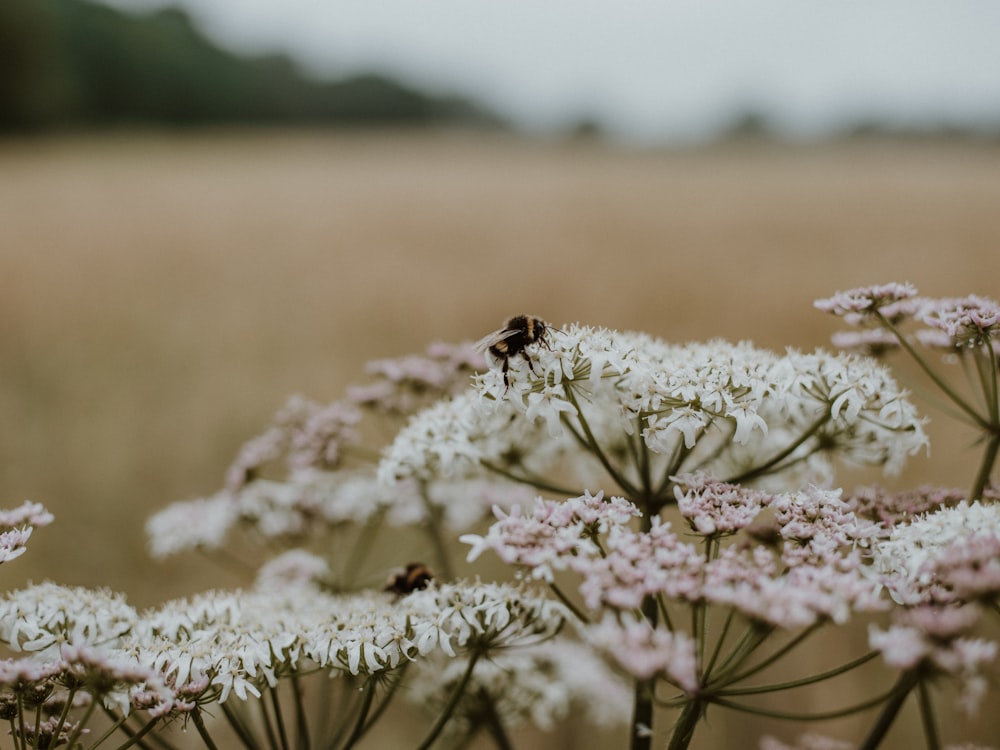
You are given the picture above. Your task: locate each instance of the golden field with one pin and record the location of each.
(163, 294)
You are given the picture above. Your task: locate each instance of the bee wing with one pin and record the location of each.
(495, 338)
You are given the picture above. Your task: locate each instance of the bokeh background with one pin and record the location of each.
(207, 207)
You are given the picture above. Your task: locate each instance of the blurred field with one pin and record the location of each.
(162, 295)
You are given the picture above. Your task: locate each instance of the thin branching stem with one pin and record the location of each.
(199, 724)
(302, 739)
(136, 738)
(80, 725)
(279, 718)
(595, 448)
(568, 603)
(117, 722)
(358, 730)
(394, 682)
(536, 482)
(435, 514)
(819, 716)
(685, 725)
(954, 397)
(896, 697)
(724, 679)
(239, 726)
(453, 700)
(927, 717)
(775, 460)
(828, 674)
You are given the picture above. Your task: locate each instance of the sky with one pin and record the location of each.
(648, 70)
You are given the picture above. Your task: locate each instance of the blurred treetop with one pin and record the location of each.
(72, 63)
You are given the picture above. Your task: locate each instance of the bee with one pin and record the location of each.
(406, 580)
(517, 334)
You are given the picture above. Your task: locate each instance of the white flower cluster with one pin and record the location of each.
(542, 684)
(924, 560)
(219, 644)
(44, 617)
(311, 501)
(724, 409)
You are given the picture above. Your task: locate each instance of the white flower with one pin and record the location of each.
(202, 523)
(43, 617)
(914, 558)
(725, 409)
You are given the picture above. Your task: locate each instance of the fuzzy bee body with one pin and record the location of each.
(413, 577)
(517, 334)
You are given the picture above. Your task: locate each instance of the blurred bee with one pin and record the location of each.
(516, 335)
(413, 577)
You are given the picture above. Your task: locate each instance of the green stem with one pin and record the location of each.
(724, 679)
(494, 725)
(927, 717)
(897, 696)
(782, 455)
(136, 737)
(363, 544)
(80, 725)
(595, 448)
(301, 720)
(18, 737)
(279, 718)
(929, 372)
(67, 706)
(240, 727)
(453, 700)
(577, 612)
(644, 690)
(123, 727)
(749, 642)
(272, 738)
(717, 651)
(687, 722)
(835, 672)
(986, 466)
(537, 483)
(395, 681)
(433, 525)
(359, 724)
(117, 722)
(822, 716)
(199, 724)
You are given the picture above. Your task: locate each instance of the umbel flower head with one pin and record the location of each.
(637, 407)
(948, 555)
(239, 643)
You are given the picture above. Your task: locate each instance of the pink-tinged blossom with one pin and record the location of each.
(940, 553)
(553, 535)
(967, 321)
(866, 300)
(640, 564)
(888, 507)
(872, 342)
(645, 652)
(16, 527)
(253, 456)
(715, 508)
(405, 384)
(26, 514)
(936, 638)
(319, 433)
